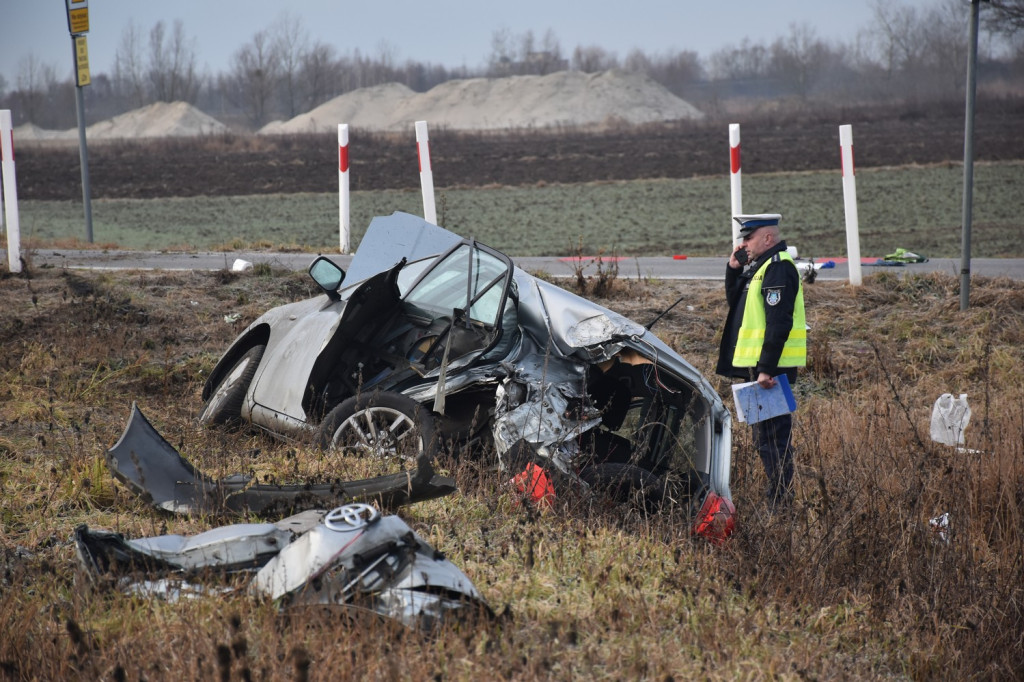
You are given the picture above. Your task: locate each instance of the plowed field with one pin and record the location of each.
(245, 165)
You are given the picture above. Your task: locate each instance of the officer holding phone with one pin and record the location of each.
(765, 335)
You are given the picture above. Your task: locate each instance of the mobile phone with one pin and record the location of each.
(741, 256)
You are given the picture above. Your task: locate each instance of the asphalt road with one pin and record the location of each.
(649, 266)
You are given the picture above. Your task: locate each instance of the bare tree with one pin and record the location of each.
(319, 73)
(798, 58)
(527, 46)
(129, 72)
(923, 52)
(291, 43)
(745, 61)
(503, 53)
(548, 59)
(593, 59)
(255, 69)
(676, 71)
(36, 80)
(899, 33)
(172, 64)
(514, 55)
(383, 69)
(1005, 17)
(944, 31)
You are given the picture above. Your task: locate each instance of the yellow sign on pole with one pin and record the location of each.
(78, 16)
(81, 62)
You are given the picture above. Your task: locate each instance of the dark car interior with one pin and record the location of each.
(389, 341)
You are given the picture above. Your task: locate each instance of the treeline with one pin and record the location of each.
(905, 53)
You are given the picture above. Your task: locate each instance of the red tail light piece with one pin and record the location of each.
(535, 485)
(716, 519)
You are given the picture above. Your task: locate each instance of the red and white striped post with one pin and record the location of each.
(344, 211)
(735, 180)
(10, 191)
(850, 203)
(426, 175)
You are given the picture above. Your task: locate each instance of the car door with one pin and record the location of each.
(459, 303)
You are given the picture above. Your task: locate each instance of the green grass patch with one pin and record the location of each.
(917, 208)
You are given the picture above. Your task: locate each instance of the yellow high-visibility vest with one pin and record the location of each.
(751, 334)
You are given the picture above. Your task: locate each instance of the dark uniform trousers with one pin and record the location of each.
(773, 440)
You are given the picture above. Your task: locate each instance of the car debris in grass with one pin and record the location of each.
(351, 557)
(151, 468)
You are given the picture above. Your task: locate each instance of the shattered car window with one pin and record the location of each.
(469, 274)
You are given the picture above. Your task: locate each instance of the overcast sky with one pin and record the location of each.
(452, 33)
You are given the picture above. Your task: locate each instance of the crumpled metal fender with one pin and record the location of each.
(358, 557)
(152, 469)
(351, 557)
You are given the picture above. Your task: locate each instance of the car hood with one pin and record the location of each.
(574, 325)
(391, 238)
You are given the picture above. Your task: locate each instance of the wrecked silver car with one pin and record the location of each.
(351, 557)
(432, 341)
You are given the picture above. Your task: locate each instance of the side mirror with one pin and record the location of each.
(327, 275)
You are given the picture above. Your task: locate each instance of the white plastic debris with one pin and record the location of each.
(241, 265)
(231, 318)
(949, 419)
(939, 527)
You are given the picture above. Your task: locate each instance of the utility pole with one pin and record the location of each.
(968, 205)
(78, 26)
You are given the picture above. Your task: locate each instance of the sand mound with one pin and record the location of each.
(30, 132)
(161, 119)
(567, 98)
(362, 104)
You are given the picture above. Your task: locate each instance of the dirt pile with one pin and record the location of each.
(161, 119)
(364, 105)
(566, 98)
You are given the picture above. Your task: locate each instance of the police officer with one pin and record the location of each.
(765, 335)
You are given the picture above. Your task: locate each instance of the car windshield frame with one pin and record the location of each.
(462, 286)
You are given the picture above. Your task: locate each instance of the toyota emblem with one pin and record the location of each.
(351, 517)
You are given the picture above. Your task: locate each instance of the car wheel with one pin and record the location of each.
(384, 425)
(225, 403)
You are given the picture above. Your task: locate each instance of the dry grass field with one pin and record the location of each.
(852, 584)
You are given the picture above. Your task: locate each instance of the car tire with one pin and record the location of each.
(625, 483)
(225, 403)
(385, 425)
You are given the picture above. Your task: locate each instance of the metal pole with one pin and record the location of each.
(735, 181)
(965, 257)
(83, 154)
(850, 204)
(426, 174)
(344, 200)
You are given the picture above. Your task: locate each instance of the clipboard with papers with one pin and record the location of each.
(754, 404)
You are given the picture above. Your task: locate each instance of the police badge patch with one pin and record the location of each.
(773, 296)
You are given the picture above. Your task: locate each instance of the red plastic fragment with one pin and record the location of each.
(535, 485)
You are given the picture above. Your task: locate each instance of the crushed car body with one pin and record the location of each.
(433, 338)
(351, 557)
(150, 467)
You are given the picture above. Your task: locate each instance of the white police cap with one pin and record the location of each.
(749, 223)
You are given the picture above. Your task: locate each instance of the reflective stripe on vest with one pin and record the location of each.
(751, 334)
